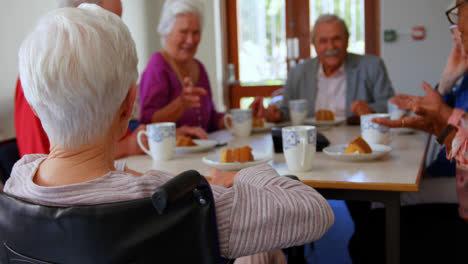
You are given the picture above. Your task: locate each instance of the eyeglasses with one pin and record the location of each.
(452, 13)
(453, 28)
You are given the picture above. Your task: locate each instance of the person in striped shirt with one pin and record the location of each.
(84, 98)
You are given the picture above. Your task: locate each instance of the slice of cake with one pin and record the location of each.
(243, 154)
(324, 115)
(358, 145)
(258, 122)
(183, 141)
(226, 156)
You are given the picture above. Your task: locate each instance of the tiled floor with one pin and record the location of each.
(333, 247)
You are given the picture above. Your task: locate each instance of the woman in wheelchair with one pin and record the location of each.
(79, 68)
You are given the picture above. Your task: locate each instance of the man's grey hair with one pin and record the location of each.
(327, 18)
(75, 3)
(173, 8)
(77, 67)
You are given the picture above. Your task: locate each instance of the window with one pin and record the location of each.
(258, 32)
(262, 42)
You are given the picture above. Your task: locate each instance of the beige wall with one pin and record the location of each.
(16, 19)
(409, 62)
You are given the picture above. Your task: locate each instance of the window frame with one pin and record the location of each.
(297, 25)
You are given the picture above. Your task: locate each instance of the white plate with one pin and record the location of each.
(213, 160)
(202, 144)
(312, 121)
(336, 152)
(265, 128)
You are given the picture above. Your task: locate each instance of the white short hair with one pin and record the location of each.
(173, 8)
(75, 3)
(76, 68)
(327, 18)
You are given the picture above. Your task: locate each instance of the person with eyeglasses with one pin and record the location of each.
(436, 232)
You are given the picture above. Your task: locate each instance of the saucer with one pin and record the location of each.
(214, 160)
(336, 152)
(202, 144)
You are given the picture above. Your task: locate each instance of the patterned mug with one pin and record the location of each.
(161, 140)
(299, 147)
(374, 133)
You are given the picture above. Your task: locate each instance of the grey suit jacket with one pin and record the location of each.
(366, 79)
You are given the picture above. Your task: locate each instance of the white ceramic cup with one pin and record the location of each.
(161, 140)
(298, 111)
(395, 112)
(374, 133)
(241, 122)
(299, 146)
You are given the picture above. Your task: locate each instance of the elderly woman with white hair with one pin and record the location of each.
(175, 86)
(84, 99)
(30, 134)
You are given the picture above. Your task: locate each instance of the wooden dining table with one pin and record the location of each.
(381, 180)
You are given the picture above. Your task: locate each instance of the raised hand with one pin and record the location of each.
(360, 107)
(190, 96)
(432, 113)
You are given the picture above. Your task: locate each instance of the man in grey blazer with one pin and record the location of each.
(346, 83)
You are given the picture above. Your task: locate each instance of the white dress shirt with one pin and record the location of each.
(331, 93)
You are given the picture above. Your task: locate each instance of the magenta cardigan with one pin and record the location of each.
(159, 86)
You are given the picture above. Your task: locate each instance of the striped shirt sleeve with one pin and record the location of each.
(265, 211)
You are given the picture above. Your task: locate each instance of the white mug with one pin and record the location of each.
(241, 122)
(299, 147)
(298, 111)
(395, 112)
(374, 133)
(161, 140)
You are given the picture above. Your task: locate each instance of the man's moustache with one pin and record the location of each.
(329, 53)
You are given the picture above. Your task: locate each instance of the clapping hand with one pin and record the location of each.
(432, 113)
(190, 96)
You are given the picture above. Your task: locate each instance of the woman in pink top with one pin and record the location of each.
(84, 99)
(174, 86)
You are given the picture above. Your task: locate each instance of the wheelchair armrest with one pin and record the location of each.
(294, 177)
(175, 188)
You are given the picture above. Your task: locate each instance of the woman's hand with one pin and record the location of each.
(433, 113)
(360, 107)
(222, 178)
(190, 96)
(196, 132)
